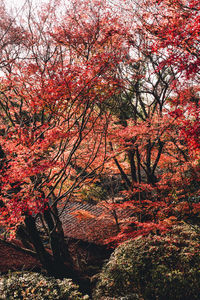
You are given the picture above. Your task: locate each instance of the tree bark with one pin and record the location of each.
(58, 246)
(44, 257)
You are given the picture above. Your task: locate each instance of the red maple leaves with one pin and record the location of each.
(97, 91)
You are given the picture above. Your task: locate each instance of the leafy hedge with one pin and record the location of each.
(154, 267)
(28, 285)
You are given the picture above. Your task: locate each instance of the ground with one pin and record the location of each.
(14, 259)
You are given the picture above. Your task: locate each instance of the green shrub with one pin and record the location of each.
(154, 267)
(27, 285)
(93, 194)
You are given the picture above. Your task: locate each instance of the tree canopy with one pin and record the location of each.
(89, 92)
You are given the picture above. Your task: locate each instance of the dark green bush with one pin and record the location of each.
(28, 285)
(154, 267)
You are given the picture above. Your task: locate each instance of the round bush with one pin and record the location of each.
(27, 285)
(154, 267)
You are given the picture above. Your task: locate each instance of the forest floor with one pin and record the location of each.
(14, 259)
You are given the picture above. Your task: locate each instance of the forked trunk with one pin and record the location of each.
(56, 264)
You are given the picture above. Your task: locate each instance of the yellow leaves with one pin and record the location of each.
(169, 221)
(83, 215)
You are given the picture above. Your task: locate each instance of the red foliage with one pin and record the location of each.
(176, 26)
(94, 90)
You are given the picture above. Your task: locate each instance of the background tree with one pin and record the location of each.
(155, 118)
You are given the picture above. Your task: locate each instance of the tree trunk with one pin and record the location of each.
(44, 257)
(131, 156)
(58, 246)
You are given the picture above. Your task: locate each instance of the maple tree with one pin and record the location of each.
(95, 90)
(156, 126)
(53, 122)
(177, 30)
